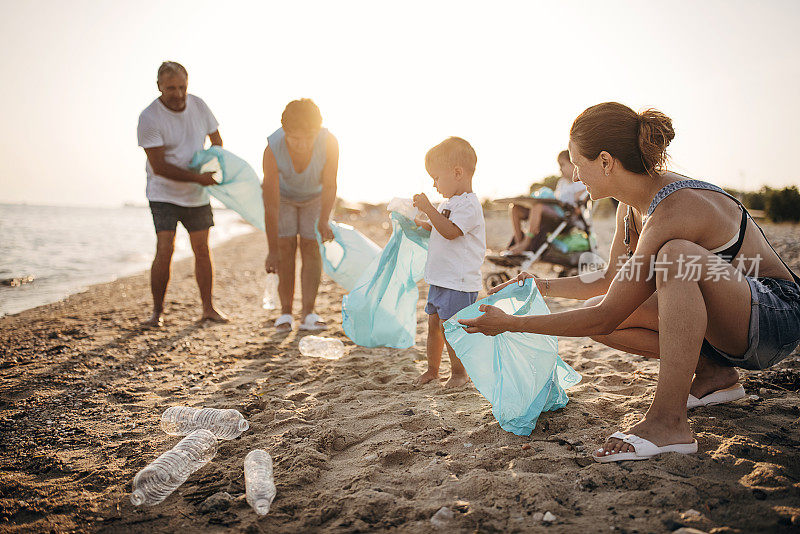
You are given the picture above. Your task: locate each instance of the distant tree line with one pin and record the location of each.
(778, 205)
(547, 181)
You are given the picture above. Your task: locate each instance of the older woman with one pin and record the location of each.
(691, 280)
(300, 165)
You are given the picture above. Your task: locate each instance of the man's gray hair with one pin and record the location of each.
(171, 67)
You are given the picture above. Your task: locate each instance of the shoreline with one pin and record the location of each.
(57, 280)
(355, 446)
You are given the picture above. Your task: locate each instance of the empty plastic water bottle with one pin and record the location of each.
(404, 206)
(258, 481)
(224, 424)
(321, 347)
(155, 482)
(271, 300)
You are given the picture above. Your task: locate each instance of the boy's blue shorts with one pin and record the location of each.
(447, 302)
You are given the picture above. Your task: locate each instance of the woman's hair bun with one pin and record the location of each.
(655, 134)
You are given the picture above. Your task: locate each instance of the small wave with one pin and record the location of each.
(134, 257)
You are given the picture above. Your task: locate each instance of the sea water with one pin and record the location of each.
(67, 249)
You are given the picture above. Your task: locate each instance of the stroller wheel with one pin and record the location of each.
(495, 279)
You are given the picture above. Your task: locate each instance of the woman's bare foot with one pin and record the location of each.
(660, 433)
(214, 316)
(426, 377)
(155, 321)
(456, 380)
(711, 376)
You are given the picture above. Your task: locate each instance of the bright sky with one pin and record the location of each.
(393, 79)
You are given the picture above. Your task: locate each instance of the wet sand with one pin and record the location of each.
(355, 446)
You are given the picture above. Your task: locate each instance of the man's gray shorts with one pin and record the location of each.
(299, 218)
(166, 217)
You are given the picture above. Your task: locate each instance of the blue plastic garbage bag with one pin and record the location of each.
(347, 256)
(520, 374)
(239, 189)
(381, 311)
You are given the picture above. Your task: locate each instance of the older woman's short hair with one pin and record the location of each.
(301, 116)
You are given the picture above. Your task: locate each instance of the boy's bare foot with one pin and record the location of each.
(214, 316)
(155, 321)
(456, 380)
(426, 377)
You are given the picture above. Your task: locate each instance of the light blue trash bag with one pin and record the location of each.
(239, 188)
(520, 374)
(381, 311)
(346, 257)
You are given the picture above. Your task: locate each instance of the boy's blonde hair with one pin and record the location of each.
(451, 152)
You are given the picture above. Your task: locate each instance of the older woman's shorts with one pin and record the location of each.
(299, 218)
(774, 325)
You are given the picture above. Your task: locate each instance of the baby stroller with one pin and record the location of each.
(558, 243)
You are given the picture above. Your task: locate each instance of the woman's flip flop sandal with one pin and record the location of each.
(313, 322)
(717, 397)
(643, 449)
(284, 323)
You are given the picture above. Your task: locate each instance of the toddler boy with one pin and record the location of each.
(455, 251)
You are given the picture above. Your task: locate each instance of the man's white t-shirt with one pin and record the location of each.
(181, 133)
(456, 263)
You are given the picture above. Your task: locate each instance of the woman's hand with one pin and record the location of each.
(493, 321)
(325, 231)
(520, 278)
(271, 264)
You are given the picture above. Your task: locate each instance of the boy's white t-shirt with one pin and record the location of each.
(181, 133)
(456, 263)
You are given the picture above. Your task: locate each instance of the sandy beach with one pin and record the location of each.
(356, 448)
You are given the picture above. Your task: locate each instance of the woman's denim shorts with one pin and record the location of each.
(774, 325)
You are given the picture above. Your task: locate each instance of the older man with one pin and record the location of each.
(171, 129)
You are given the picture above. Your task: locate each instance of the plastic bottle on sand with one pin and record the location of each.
(321, 347)
(271, 300)
(167, 472)
(224, 424)
(258, 480)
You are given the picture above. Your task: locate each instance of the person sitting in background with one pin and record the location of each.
(540, 215)
(300, 165)
(171, 129)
